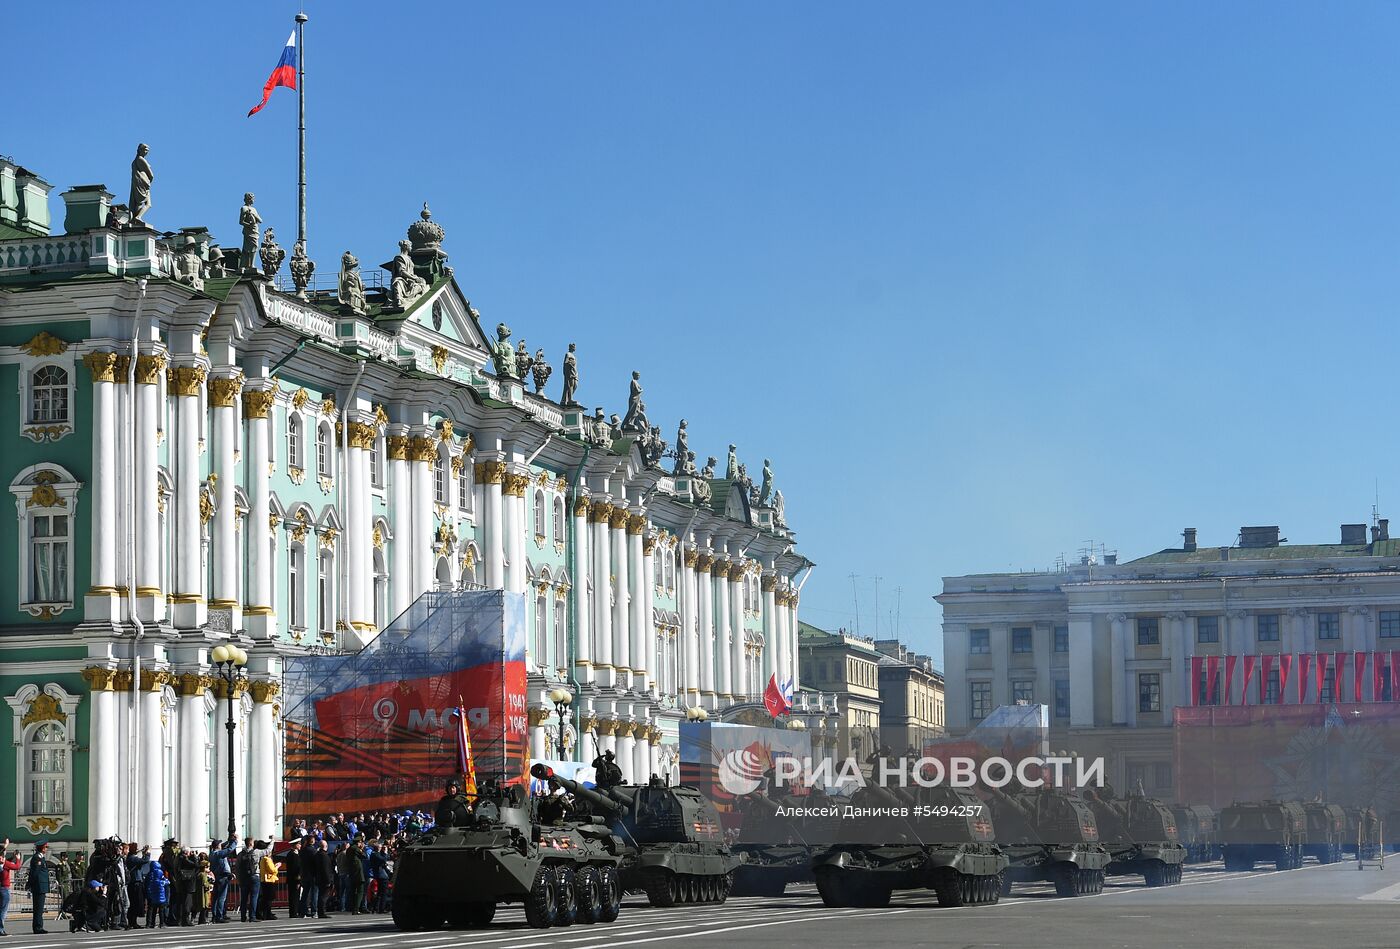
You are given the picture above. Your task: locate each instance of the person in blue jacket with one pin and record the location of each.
(219, 857)
(157, 894)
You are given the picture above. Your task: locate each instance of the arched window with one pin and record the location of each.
(440, 478)
(444, 575)
(464, 485)
(540, 515)
(294, 456)
(541, 625)
(559, 519)
(657, 576)
(376, 466)
(323, 450)
(469, 563)
(381, 590)
(46, 498)
(296, 586)
(325, 592)
(48, 402)
(46, 784)
(561, 631)
(49, 580)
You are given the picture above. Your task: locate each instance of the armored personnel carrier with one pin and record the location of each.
(1251, 831)
(1139, 833)
(675, 850)
(1195, 827)
(946, 845)
(460, 872)
(776, 856)
(1048, 836)
(1363, 831)
(1327, 826)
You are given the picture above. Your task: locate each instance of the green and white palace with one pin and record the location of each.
(202, 450)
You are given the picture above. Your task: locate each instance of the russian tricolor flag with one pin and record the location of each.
(284, 74)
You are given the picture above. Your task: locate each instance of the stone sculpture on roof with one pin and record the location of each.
(502, 353)
(523, 362)
(570, 378)
(683, 452)
(708, 471)
(766, 492)
(351, 289)
(732, 468)
(141, 176)
(249, 219)
(189, 267)
(541, 371)
(271, 254)
(405, 286)
(302, 268)
(779, 517)
(635, 421)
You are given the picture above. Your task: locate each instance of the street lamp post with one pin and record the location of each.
(562, 699)
(696, 714)
(229, 660)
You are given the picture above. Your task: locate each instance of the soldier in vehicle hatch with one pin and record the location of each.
(607, 774)
(453, 809)
(554, 809)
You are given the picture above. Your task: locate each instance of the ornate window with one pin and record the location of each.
(376, 463)
(48, 396)
(540, 516)
(559, 519)
(381, 590)
(296, 586)
(46, 502)
(561, 630)
(294, 456)
(325, 592)
(43, 740)
(464, 485)
(440, 478)
(323, 450)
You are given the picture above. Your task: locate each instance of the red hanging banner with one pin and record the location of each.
(1320, 672)
(1395, 675)
(1230, 678)
(1249, 663)
(1358, 675)
(1285, 666)
(1339, 662)
(1266, 665)
(1197, 668)
(1377, 676)
(1212, 683)
(1304, 664)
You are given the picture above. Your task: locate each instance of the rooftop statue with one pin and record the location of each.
(709, 470)
(732, 469)
(779, 518)
(689, 466)
(682, 451)
(700, 488)
(406, 286)
(249, 219)
(502, 354)
(189, 268)
(302, 268)
(351, 288)
(523, 362)
(541, 370)
(216, 261)
(570, 378)
(614, 427)
(271, 254)
(635, 421)
(767, 491)
(141, 176)
(595, 429)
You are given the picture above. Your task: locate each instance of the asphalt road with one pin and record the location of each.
(1336, 906)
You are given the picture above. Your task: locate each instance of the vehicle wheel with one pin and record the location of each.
(950, 887)
(994, 884)
(406, 915)
(1154, 874)
(431, 915)
(662, 887)
(1284, 860)
(565, 881)
(542, 905)
(833, 888)
(1006, 883)
(1063, 878)
(726, 885)
(588, 895)
(873, 895)
(610, 889)
(471, 915)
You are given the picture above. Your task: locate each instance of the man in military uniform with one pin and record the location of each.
(554, 809)
(453, 809)
(607, 774)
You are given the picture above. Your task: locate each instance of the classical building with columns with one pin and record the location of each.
(1114, 648)
(203, 452)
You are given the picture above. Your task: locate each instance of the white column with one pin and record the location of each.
(1118, 667)
(101, 601)
(149, 542)
(956, 695)
(401, 582)
(589, 740)
(641, 753)
(643, 631)
(1174, 689)
(264, 781)
(538, 747)
(1081, 675)
(259, 608)
(792, 638)
(622, 643)
(607, 736)
(191, 610)
(224, 390)
(1239, 644)
(518, 525)
(192, 777)
(705, 605)
(627, 752)
(490, 474)
(103, 779)
(359, 578)
(723, 653)
(1001, 664)
(422, 452)
(738, 664)
(1301, 643)
(150, 819)
(772, 638)
(690, 634)
(578, 586)
(598, 514)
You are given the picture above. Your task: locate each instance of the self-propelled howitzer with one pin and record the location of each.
(774, 849)
(1049, 836)
(1140, 834)
(675, 850)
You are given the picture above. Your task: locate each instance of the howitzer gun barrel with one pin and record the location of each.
(603, 801)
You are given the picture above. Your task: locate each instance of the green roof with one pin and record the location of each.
(8, 232)
(1384, 548)
(219, 287)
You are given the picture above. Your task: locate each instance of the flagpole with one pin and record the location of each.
(301, 131)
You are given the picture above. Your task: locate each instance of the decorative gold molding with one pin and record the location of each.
(191, 684)
(458, 462)
(515, 484)
(377, 538)
(43, 433)
(422, 448)
(153, 680)
(302, 523)
(224, 391)
(300, 398)
(328, 405)
(264, 691)
(538, 716)
(328, 538)
(257, 403)
(45, 344)
(185, 380)
(599, 512)
(561, 485)
(704, 562)
(587, 722)
(648, 546)
(398, 447)
(445, 430)
(737, 571)
(636, 523)
(490, 472)
(149, 369)
(101, 366)
(43, 708)
(43, 495)
(689, 557)
(362, 435)
(617, 520)
(240, 685)
(439, 355)
(381, 417)
(44, 825)
(469, 559)
(769, 584)
(606, 726)
(581, 506)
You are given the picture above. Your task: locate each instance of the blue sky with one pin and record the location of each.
(985, 281)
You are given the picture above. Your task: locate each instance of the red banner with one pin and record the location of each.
(1320, 672)
(1285, 666)
(1395, 675)
(1212, 672)
(1249, 663)
(1266, 665)
(1377, 681)
(1197, 670)
(1304, 664)
(1358, 674)
(1229, 679)
(1339, 660)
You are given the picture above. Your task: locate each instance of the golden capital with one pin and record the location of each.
(98, 678)
(186, 380)
(627, 729)
(192, 683)
(362, 435)
(704, 562)
(121, 680)
(398, 447)
(224, 391)
(636, 523)
(769, 584)
(149, 369)
(737, 569)
(599, 511)
(648, 546)
(257, 403)
(691, 557)
(153, 680)
(240, 685)
(538, 716)
(618, 519)
(491, 472)
(588, 721)
(422, 448)
(102, 366)
(581, 506)
(515, 484)
(264, 691)
(606, 726)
